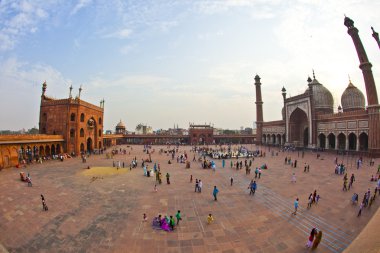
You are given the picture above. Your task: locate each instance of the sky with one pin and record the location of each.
(166, 62)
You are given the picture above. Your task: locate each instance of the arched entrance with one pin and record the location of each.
(363, 141)
(322, 141)
(298, 128)
(341, 141)
(352, 141)
(42, 151)
(47, 150)
(278, 139)
(89, 145)
(53, 149)
(58, 149)
(331, 138)
(273, 139)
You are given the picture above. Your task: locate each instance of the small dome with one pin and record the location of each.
(322, 97)
(352, 99)
(120, 125)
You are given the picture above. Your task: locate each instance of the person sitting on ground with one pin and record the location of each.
(210, 219)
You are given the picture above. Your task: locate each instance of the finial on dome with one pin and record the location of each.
(313, 74)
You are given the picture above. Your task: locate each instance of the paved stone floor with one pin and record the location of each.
(105, 215)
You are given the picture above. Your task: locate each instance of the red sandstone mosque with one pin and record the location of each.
(308, 119)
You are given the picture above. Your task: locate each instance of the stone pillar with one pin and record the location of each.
(336, 142)
(357, 143)
(347, 143)
(259, 110)
(373, 131)
(327, 143)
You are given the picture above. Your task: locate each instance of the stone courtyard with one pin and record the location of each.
(104, 213)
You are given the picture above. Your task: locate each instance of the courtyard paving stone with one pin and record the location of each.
(105, 214)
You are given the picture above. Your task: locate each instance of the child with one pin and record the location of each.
(210, 219)
(317, 199)
(155, 188)
(145, 218)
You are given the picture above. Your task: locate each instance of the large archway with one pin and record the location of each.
(273, 138)
(331, 138)
(89, 145)
(363, 142)
(299, 128)
(352, 141)
(322, 141)
(341, 141)
(278, 139)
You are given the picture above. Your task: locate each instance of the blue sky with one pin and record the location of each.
(165, 62)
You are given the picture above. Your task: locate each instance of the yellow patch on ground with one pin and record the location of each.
(103, 171)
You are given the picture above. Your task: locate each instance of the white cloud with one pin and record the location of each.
(80, 5)
(121, 34)
(18, 19)
(22, 81)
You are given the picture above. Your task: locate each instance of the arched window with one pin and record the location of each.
(100, 121)
(81, 134)
(100, 132)
(72, 133)
(82, 117)
(72, 117)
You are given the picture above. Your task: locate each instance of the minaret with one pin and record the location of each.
(44, 85)
(373, 103)
(259, 111)
(375, 35)
(365, 65)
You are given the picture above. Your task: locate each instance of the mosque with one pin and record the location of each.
(308, 119)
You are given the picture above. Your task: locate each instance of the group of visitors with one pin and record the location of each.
(166, 223)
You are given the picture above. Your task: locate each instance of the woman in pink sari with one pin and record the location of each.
(164, 225)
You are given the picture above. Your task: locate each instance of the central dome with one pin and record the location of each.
(322, 97)
(352, 99)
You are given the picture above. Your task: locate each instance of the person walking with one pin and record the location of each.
(360, 209)
(253, 188)
(215, 193)
(232, 180)
(311, 238)
(44, 206)
(200, 184)
(295, 207)
(352, 180)
(178, 216)
(167, 178)
(259, 173)
(310, 200)
(196, 185)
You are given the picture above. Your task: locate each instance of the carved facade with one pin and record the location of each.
(309, 120)
(80, 123)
